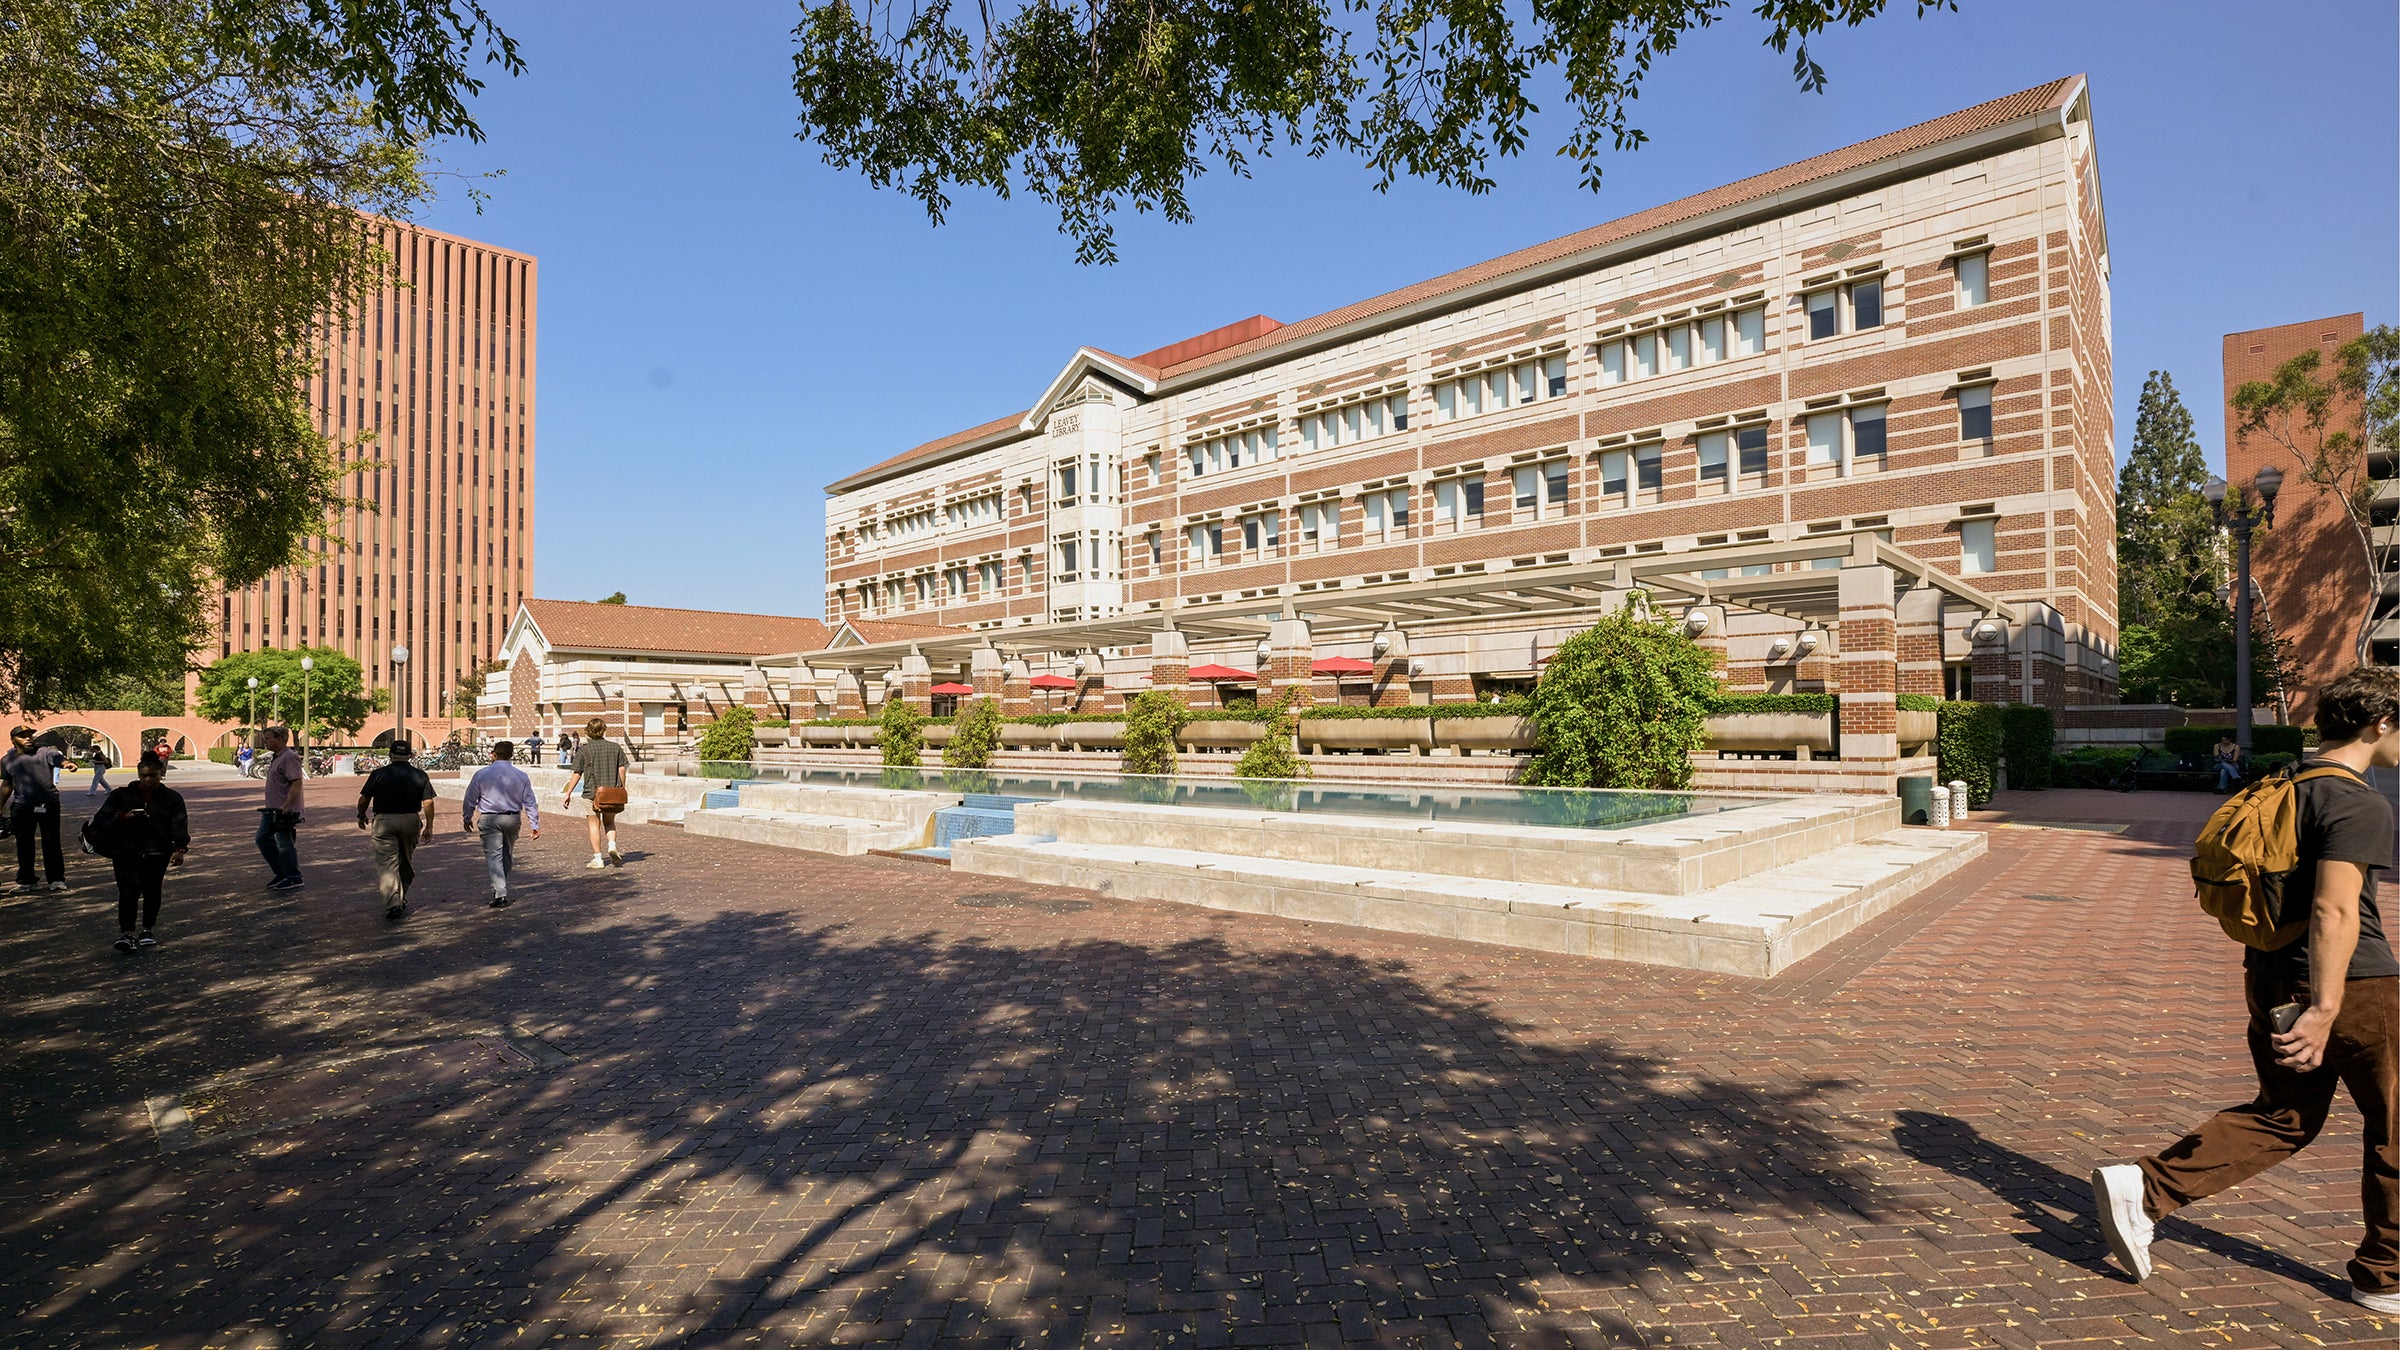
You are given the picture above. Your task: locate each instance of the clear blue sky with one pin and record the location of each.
(727, 325)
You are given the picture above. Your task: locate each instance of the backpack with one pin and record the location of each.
(2246, 853)
(96, 838)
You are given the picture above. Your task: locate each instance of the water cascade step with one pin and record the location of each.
(981, 815)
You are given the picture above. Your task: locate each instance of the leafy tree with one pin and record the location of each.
(150, 695)
(974, 736)
(179, 189)
(612, 598)
(2186, 657)
(1275, 754)
(2332, 424)
(470, 687)
(1091, 106)
(902, 733)
(1623, 704)
(2168, 559)
(1152, 718)
(336, 689)
(731, 738)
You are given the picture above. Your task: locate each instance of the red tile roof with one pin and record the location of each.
(1209, 349)
(582, 625)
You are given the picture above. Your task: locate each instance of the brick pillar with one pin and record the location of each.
(1016, 695)
(984, 671)
(1994, 669)
(1870, 670)
(916, 683)
(1920, 641)
(849, 697)
(1290, 653)
(1170, 662)
(1391, 688)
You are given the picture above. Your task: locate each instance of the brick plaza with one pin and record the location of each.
(750, 1096)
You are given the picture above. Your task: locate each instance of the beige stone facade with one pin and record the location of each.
(1906, 338)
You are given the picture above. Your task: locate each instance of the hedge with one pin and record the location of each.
(2198, 745)
(1727, 705)
(1510, 707)
(2029, 739)
(221, 754)
(1967, 740)
(2093, 766)
(1918, 703)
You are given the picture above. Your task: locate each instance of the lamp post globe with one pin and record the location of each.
(308, 664)
(252, 716)
(399, 694)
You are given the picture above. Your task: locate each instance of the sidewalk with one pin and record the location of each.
(735, 1095)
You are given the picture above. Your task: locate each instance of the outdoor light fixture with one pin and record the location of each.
(1779, 648)
(1383, 643)
(2239, 518)
(1988, 631)
(1696, 622)
(1810, 640)
(1416, 667)
(1265, 651)
(1081, 665)
(399, 694)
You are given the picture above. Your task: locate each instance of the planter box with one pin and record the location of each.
(1918, 728)
(1090, 735)
(1229, 735)
(1481, 733)
(1028, 738)
(771, 735)
(1368, 733)
(939, 735)
(1771, 731)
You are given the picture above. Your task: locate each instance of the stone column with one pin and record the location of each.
(1919, 616)
(985, 673)
(916, 682)
(1170, 664)
(849, 697)
(1016, 694)
(1706, 624)
(1290, 653)
(1993, 671)
(1870, 670)
(1391, 688)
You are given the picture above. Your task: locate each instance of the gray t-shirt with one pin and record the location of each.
(33, 775)
(601, 763)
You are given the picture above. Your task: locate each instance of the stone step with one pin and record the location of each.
(1755, 926)
(843, 835)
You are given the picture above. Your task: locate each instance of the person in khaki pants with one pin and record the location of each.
(395, 807)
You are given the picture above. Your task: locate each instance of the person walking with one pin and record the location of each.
(500, 801)
(395, 808)
(147, 831)
(100, 768)
(2324, 1011)
(279, 817)
(600, 767)
(533, 751)
(29, 789)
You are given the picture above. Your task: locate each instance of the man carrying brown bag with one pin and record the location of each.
(600, 767)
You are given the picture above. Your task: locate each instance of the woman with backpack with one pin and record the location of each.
(144, 829)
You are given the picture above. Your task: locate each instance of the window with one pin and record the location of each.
(1824, 439)
(1866, 305)
(1158, 547)
(1978, 547)
(1067, 559)
(1500, 387)
(1321, 525)
(988, 577)
(1975, 279)
(1714, 458)
(1648, 470)
(1066, 485)
(1613, 468)
(954, 582)
(1863, 297)
(1975, 413)
(1378, 416)
(1866, 434)
(1262, 531)
(1679, 346)
(1554, 484)
(1750, 445)
(1203, 544)
(1255, 446)
(1386, 513)
(1150, 469)
(1824, 320)
(1458, 502)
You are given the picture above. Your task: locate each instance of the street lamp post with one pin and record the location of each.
(307, 665)
(400, 693)
(252, 718)
(2241, 518)
(275, 692)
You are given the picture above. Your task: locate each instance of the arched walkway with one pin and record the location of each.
(129, 731)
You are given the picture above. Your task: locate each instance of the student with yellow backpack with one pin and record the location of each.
(2287, 867)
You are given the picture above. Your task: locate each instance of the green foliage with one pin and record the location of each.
(2273, 761)
(730, 737)
(1726, 705)
(2168, 558)
(1917, 703)
(2092, 766)
(1623, 704)
(2198, 745)
(156, 694)
(612, 598)
(470, 686)
(336, 690)
(1514, 705)
(1094, 107)
(2186, 658)
(2028, 738)
(976, 737)
(1967, 742)
(1276, 754)
(221, 754)
(903, 733)
(1152, 718)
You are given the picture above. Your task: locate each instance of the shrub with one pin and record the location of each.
(2028, 739)
(2196, 746)
(2093, 766)
(1917, 703)
(1967, 741)
(1274, 754)
(221, 754)
(2270, 761)
(1152, 718)
(903, 733)
(976, 737)
(1721, 705)
(729, 737)
(1622, 705)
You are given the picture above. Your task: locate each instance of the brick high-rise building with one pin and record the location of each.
(1906, 338)
(2312, 575)
(429, 397)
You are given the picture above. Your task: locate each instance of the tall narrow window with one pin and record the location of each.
(1866, 305)
(1554, 484)
(1612, 363)
(1867, 433)
(1824, 318)
(1750, 445)
(1554, 374)
(1978, 547)
(1613, 468)
(1975, 279)
(1645, 355)
(1649, 469)
(1975, 413)
(1749, 332)
(1679, 347)
(1528, 483)
(1713, 457)
(1445, 503)
(1824, 439)
(1712, 338)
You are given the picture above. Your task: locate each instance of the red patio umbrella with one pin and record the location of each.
(1341, 665)
(1214, 674)
(1050, 682)
(953, 687)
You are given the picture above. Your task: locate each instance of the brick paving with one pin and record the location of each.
(812, 1101)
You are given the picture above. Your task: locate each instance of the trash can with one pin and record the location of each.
(1916, 800)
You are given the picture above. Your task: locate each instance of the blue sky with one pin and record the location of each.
(727, 324)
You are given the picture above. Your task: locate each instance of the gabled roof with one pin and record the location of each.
(1181, 363)
(582, 625)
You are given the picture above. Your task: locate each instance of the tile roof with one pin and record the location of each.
(583, 625)
(1174, 364)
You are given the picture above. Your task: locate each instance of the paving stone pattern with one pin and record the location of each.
(817, 1101)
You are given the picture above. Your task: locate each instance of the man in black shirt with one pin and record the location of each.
(2340, 979)
(395, 806)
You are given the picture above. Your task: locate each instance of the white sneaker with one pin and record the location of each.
(596, 864)
(2382, 1303)
(2117, 1203)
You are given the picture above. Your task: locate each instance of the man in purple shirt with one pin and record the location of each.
(279, 816)
(499, 803)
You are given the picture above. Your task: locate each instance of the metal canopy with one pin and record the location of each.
(1807, 591)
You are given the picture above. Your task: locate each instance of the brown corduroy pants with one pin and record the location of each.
(2236, 1144)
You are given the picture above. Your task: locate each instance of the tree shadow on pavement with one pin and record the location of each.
(2040, 1193)
(770, 1127)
